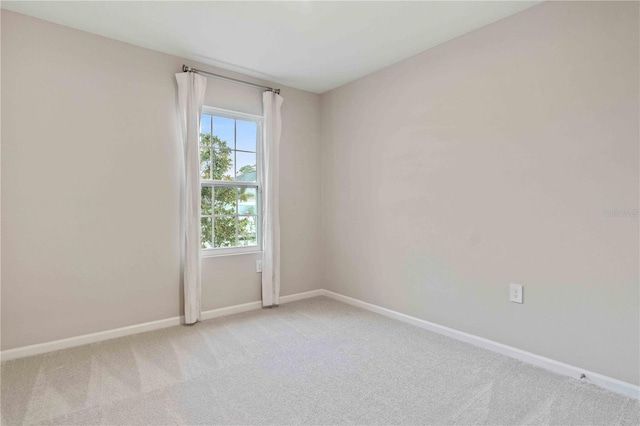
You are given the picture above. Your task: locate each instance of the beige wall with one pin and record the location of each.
(488, 160)
(90, 186)
(492, 159)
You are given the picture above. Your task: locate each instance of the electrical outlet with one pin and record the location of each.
(258, 265)
(515, 293)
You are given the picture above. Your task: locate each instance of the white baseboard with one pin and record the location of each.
(230, 310)
(236, 309)
(601, 380)
(86, 339)
(300, 296)
(618, 386)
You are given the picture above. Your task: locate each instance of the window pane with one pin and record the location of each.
(224, 131)
(205, 163)
(224, 200)
(228, 152)
(223, 164)
(205, 233)
(205, 200)
(246, 132)
(247, 201)
(246, 167)
(205, 139)
(205, 128)
(247, 231)
(225, 231)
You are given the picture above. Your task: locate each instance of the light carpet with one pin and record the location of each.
(316, 361)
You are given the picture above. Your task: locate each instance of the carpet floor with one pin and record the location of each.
(315, 361)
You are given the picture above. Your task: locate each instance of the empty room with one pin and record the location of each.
(320, 213)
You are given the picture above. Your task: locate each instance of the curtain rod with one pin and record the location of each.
(233, 80)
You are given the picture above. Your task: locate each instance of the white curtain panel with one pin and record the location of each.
(269, 170)
(191, 89)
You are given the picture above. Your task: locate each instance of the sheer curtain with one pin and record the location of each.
(191, 89)
(269, 170)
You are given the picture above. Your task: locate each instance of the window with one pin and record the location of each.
(230, 186)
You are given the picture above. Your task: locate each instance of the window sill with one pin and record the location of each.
(229, 252)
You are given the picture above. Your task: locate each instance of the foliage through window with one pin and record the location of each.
(229, 179)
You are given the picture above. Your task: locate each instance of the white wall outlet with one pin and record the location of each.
(515, 293)
(258, 265)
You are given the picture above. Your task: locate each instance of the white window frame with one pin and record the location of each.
(226, 251)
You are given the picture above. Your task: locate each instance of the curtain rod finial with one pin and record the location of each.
(186, 68)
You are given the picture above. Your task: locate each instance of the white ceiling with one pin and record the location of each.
(315, 46)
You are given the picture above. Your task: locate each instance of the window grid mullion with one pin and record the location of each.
(211, 153)
(236, 218)
(235, 172)
(213, 212)
(229, 183)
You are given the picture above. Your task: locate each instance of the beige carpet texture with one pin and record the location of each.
(315, 361)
